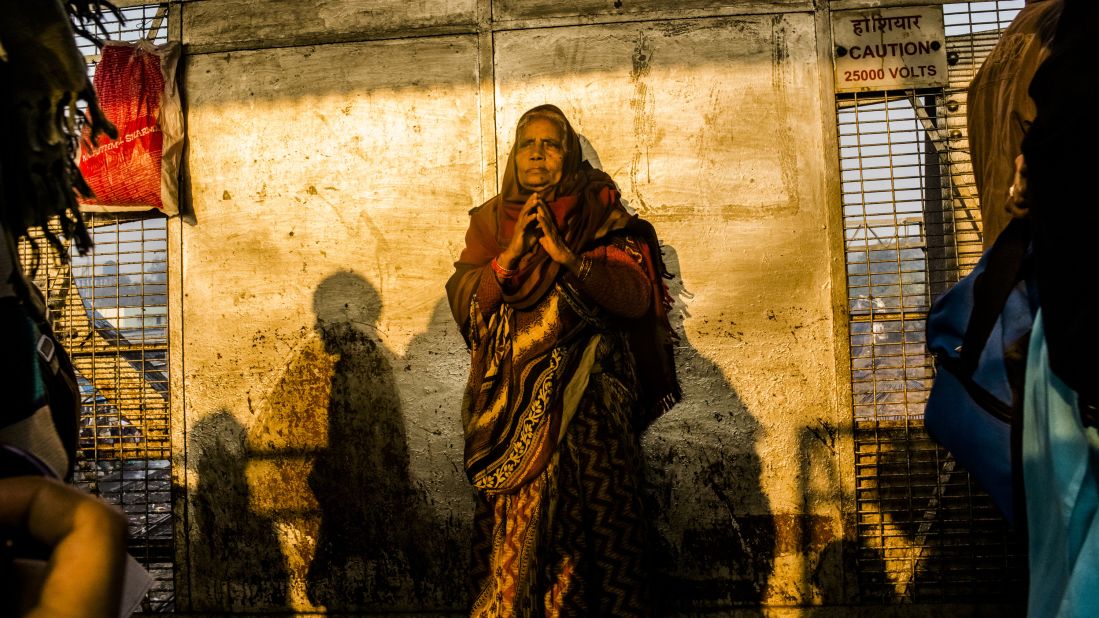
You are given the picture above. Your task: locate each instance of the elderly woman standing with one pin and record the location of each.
(559, 295)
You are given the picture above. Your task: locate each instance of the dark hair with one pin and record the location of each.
(39, 141)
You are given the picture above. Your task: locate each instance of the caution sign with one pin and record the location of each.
(889, 49)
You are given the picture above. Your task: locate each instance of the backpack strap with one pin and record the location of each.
(1003, 270)
(1005, 267)
(35, 303)
(62, 388)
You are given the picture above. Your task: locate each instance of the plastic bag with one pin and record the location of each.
(137, 89)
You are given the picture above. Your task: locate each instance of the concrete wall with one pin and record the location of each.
(335, 148)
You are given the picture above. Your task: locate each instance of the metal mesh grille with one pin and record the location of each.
(912, 229)
(109, 310)
(143, 22)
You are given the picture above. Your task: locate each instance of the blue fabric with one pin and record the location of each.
(979, 441)
(1061, 476)
(20, 375)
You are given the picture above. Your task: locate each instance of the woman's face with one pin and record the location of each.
(540, 154)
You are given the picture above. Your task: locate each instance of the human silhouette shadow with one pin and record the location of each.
(369, 550)
(434, 371)
(725, 558)
(239, 566)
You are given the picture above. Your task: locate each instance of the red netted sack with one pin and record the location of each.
(136, 86)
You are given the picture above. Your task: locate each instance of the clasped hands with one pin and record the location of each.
(535, 226)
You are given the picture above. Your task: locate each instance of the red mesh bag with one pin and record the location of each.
(136, 86)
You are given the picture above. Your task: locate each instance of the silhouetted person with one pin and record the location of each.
(1000, 110)
(739, 540)
(369, 550)
(1060, 438)
(240, 565)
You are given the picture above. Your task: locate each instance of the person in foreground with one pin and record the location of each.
(559, 294)
(44, 77)
(1000, 110)
(87, 539)
(1054, 188)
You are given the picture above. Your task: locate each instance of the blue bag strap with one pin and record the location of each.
(1004, 267)
(1003, 270)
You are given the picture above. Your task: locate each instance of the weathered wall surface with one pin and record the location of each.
(330, 174)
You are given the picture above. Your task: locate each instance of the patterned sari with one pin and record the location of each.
(558, 524)
(559, 391)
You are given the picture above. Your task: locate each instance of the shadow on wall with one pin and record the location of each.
(325, 462)
(433, 375)
(928, 535)
(372, 547)
(238, 565)
(715, 532)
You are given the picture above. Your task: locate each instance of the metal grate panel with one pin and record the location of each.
(109, 310)
(911, 229)
(142, 22)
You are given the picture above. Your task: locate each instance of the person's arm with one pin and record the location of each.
(610, 275)
(490, 293)
(614, 279)
(88, 537)
(496, 275)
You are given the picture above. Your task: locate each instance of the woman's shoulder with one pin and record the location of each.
(489, 206)
(640, 228)
(633, 231)
(625, 244)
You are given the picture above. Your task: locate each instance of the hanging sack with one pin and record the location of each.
(136, 86)
(978, 333)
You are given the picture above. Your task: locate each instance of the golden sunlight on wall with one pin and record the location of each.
(322, 372)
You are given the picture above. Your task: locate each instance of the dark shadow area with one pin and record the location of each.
(238, 564)
(923, 532)
(938, 213)
(714, 549)
(370, 551)
(966, 550)
(832, 566)
(433, 372)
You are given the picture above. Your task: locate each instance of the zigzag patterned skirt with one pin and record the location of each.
(571, 542)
